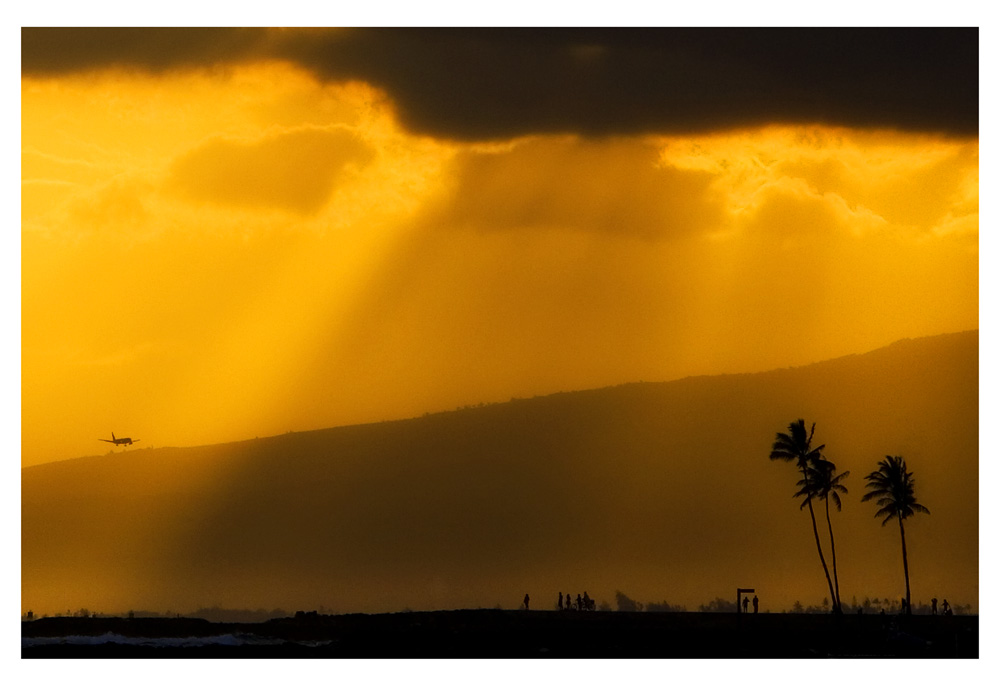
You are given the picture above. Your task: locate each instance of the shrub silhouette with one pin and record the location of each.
(664, 607)
(718, 605)
(626, 604)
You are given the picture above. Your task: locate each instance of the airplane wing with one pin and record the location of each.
(110, 441)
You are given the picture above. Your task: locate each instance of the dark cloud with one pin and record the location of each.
(496, 83)
(49, 51)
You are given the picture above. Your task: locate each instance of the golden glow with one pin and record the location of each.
(881, 178)
(211, 256)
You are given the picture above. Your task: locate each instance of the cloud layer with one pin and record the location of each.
(501, 83)
(613, 186)
(294, 170)
(255, 270)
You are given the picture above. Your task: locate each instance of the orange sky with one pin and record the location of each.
(213, 255)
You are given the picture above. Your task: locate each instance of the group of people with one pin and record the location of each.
(746, 603)
(904, 608)
(583, 602)
(945, 607)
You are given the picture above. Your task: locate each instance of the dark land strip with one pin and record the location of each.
(490, 633)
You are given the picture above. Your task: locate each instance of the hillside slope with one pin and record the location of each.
(661, 490)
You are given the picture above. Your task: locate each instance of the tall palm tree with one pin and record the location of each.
(821, 482)
(892, 487)
(797, 446)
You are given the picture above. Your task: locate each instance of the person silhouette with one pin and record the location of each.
(933, 606)
(587, 602)
(526, 598)
(569, 601)
(746, 602)
(946, 608)
(756, 602)
(560, 601)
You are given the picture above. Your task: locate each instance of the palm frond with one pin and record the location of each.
(882, 512)
(892, 488)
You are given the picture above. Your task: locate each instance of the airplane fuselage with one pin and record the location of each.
(124, 441)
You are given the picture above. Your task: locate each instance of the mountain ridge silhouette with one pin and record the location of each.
(663, 490)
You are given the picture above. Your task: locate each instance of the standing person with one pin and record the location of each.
(569, 601)
(746, 603)
(579, 603)
(560, 601)
(933, 606)
(526, 598)
(755, 603)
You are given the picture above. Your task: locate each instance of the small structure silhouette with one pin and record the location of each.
(756, 603)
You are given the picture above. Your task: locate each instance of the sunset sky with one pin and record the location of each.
(229, 233)
(237, 233)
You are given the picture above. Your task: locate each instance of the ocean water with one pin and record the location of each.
(229, 640)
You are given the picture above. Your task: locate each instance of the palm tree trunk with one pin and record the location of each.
(906, 568)
(833, 552)
(819, 548)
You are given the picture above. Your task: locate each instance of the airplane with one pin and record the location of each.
(119, 440)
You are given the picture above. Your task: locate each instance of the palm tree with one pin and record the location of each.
(892, 486)
(821, 482)
(797, 446)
